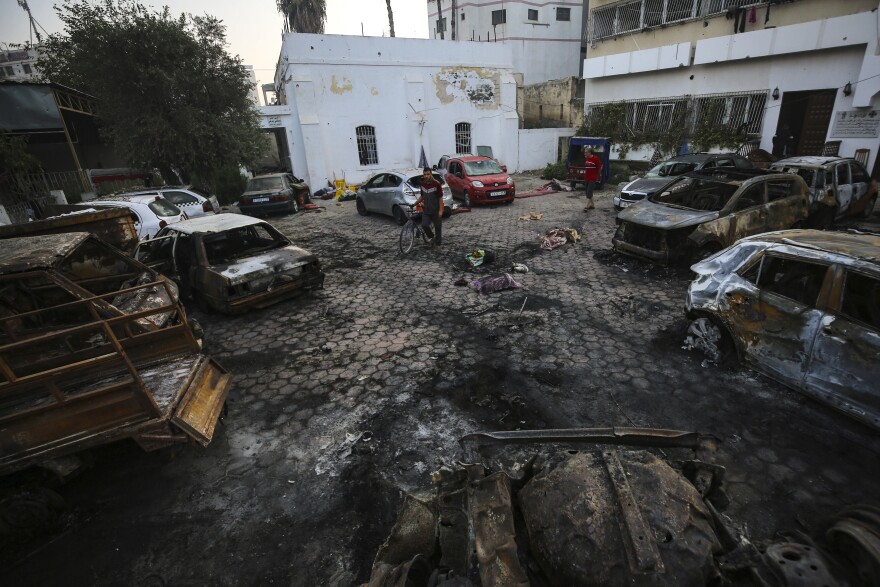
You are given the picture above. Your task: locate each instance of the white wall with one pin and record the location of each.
(539, 146)
(411, 91)
(542, 50)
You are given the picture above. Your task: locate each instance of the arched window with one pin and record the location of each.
(366, 140)
(462, 138)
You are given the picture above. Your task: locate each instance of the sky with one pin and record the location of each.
(253, 27)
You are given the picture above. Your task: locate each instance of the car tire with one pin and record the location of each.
(466, 200)
(869, 207)
(361, 207)
(399, 216)
(294, 207)
(715, 334)
(508, 202)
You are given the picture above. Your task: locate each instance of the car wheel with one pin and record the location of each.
(466, 200)
(869, 207)
(509, 202)
(713, 339)
(399, 216)
(294, 207)
(361, 208)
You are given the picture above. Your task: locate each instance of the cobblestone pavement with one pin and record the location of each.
(347, 397)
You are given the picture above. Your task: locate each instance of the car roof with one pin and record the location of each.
(28, 253)
(470, 158)
(214, 223)
(409, 172)
(858, 245)
(700, 157)
(809, 161)
(134, 198)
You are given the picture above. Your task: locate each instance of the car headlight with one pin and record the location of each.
(477, 184)
(509, 180)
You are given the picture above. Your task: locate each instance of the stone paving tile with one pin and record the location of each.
(302, 483)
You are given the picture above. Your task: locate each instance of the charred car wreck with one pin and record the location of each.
(609, 517)
(701, 213)
(801, 306)
(231, 263)
(96, 347)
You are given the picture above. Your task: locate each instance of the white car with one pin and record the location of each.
(193, 201)
(150, 212)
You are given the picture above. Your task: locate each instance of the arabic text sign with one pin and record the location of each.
(856, 124)
(272, 121)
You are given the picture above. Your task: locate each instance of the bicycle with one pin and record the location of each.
(412, 230)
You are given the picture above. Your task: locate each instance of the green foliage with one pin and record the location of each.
(308, 16)
(14, 158)
(228, 184)
(169, 93)
(708, 133)
(555, 171)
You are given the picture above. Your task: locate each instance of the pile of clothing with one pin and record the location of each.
(558, 237)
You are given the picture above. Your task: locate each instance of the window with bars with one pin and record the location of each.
(499, 17)
(463, 138)
(366, 142)
(563, 14)
(629, 16)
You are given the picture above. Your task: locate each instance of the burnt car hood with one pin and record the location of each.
(264, 264)
(647, 185)
(647, 213)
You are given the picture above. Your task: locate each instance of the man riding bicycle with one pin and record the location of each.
(432, 197)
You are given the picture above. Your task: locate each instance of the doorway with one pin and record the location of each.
(803, 122)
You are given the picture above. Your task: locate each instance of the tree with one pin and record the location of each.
(169, 94)
(390, 17)
(304, 16)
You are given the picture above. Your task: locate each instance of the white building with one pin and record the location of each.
(805, 69)
(350, 106)
(544, 37)
(19, 64)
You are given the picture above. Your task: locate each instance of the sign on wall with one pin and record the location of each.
(272, 121)
(855, 124)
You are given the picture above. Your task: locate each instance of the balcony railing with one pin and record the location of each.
(628, 16)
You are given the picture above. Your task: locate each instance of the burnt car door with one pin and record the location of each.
(774, 313)
(845, 189)
(748, 214)
(846, 352)
(158, 252)
(785, 203)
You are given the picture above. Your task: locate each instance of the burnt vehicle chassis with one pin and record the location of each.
(603, 517)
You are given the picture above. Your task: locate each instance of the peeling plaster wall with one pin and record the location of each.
(412, 91)
(552, 104)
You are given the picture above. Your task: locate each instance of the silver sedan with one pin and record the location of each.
(392, 192)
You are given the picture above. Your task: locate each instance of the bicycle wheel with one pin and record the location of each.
(407, 237)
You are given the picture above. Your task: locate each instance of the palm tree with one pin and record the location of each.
(304, 16)
(390, 17)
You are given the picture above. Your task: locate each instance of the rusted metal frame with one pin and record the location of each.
(181, 313)
(641, 549)
(78, 398)
(651, 437)
(6, 371)
(74, 103)
(49, 336)
(63, 106)
(144, 397)
(82, 301)
(39, 378)
(56, 393)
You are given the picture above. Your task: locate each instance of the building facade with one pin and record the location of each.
(804, 71)
(545, 38)
(19, 64)
(349, 107)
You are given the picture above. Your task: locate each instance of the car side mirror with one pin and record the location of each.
(433, 167)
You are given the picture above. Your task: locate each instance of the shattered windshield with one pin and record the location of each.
(484, 167)
(260, 184)
(696, 194)
(245, 241)
(671, 169)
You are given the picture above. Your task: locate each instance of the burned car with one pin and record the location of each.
(232, 263)
(701, 213)
(95, 347)
(838, 187)
(803, 307)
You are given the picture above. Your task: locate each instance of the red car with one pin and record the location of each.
(479, 180)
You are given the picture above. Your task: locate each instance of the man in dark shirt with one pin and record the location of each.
(432, 197)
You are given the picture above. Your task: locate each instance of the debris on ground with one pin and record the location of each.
(479, 257)
(460, 209)
(519, 268)
(532, 216)
(558, 237)
(461, 282)
(550, 187)
(493, 284)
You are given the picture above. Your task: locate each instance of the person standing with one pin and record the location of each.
(593, 166)
(431, 195)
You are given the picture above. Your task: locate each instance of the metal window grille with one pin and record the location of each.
(499, 16)
(563, 14)
(441, 25)
(366, 141)
(740, 111)
(462, 138)
(629, 16)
